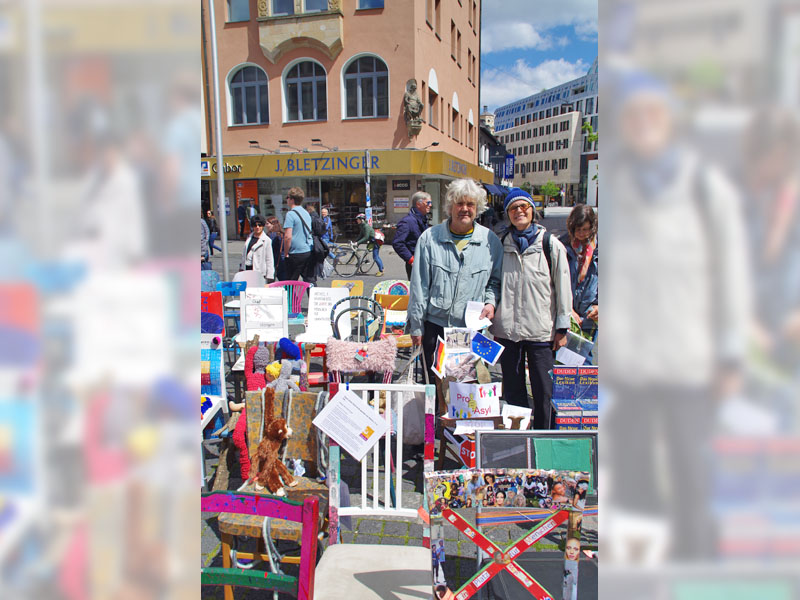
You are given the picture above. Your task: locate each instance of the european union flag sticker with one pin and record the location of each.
(487, 349)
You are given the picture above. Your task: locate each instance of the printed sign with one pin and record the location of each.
(352, 423)
(401, 184)
(401, 202)
(320, 302)
(509, 167)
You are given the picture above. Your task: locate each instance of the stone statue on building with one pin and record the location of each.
(412, 108)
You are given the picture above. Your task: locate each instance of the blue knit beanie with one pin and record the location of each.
(517, 194)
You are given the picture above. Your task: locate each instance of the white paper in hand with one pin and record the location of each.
(351, 423)
(472, 316)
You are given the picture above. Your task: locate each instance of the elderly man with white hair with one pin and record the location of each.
(455, 262)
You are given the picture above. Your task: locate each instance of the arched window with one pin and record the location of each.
(249, 98)
(306, 95)
(366, 83)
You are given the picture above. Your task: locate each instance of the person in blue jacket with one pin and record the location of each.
(410, 227)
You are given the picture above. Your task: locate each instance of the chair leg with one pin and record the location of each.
(226, 561)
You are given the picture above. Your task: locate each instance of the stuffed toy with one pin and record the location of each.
(267, 468)
(284, 381)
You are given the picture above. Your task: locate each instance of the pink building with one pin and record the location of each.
(307, 86)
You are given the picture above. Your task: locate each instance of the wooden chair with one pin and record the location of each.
(295, 290)
(365, 313)
(299, 410)
(305, 513)
(366, 571)
(264, 313)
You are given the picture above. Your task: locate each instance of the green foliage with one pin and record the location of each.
(527, 187)
(550, 189)
(587, 128)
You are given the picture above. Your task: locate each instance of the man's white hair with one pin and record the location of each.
(464, 187)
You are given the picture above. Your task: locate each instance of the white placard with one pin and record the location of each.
(469, 400)
(509, 410)
(320, 302)
(466, 426)
(264, 313)
(472, 316)
(351, 423)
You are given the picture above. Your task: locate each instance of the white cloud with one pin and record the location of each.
(505, 36)
(499, 87)
(509, 24)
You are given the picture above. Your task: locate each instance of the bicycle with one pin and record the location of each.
(350, 259)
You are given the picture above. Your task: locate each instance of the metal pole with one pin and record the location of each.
(368, 211)
(40, 158)
(223, 230)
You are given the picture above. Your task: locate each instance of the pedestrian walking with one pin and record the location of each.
(533, 316)
(455, 262)
(213, 229)
(205, 265)
(410, 227)
(257, 253)
(367, 236)
(327, 237)
(275, 233)
(241, 214)
(297, 240)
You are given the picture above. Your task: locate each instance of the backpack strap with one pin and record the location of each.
(303, 223)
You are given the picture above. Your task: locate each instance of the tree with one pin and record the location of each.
(550, 189)
(526, 186)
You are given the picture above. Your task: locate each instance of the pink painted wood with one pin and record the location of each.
(305, 513)
(296, 291)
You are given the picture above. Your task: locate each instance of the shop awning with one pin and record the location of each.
(494, 189)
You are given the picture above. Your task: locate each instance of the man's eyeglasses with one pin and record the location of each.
(258, 224)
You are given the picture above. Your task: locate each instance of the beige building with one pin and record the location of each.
(307, 86)
(547, 149)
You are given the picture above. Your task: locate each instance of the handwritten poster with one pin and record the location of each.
(468, 400)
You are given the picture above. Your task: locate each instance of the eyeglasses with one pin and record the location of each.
(429, 203)
(258, 224)
(523, 206)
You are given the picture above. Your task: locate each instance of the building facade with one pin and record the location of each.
(545, 134)
(308, 87)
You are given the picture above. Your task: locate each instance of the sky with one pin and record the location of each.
(530, 45)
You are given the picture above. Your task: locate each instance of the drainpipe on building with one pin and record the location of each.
(368, 211)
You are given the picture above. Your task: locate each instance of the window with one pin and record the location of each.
(549, 112)
(316, 5)
(562, 163)
(469, 64)
(429, 12)
(589, 106)
(541, 164)
(474, 21)
(474, 68)
(530, 148)
(534, 167)
(565, 144)
(458, 48)
(282, 7)
(516, 122)
(587, 145)
(579, 105)
(547, 130)
(538, 147)
(541, 130)
(470, 135)
(516, 168)
(529, 134)
(535, 132)
(437, 16)
(558, 144)
(517, 138)
(366, 88)
(238, 10)
(547, 165)
(524, 149)
(453, 40)
(433, 120)
(249, 98)
(541, 114)
(306, 95)
(455, 125)
(364, 4)
(550, 146)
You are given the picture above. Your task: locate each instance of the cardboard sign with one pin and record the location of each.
(320, 302)
(468, 400)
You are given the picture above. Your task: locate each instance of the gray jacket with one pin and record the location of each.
(533, 304)
(444, 280)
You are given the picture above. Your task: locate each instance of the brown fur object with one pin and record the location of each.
(267, 468)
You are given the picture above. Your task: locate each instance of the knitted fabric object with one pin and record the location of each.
(284, 382)
(239, 438)
(261, 359)
(255, 380)
(381, 355)
(288, 349)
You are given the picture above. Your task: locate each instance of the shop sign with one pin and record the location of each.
(227, 168)
(325, 163)
(401, 184)
(401, 202)
(205, 170)
(456, 166)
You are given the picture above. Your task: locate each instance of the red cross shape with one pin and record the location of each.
(504, 560)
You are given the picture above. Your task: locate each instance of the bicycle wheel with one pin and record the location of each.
(346, 264)
(366, 263)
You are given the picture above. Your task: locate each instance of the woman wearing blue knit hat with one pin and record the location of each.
(533, 316)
